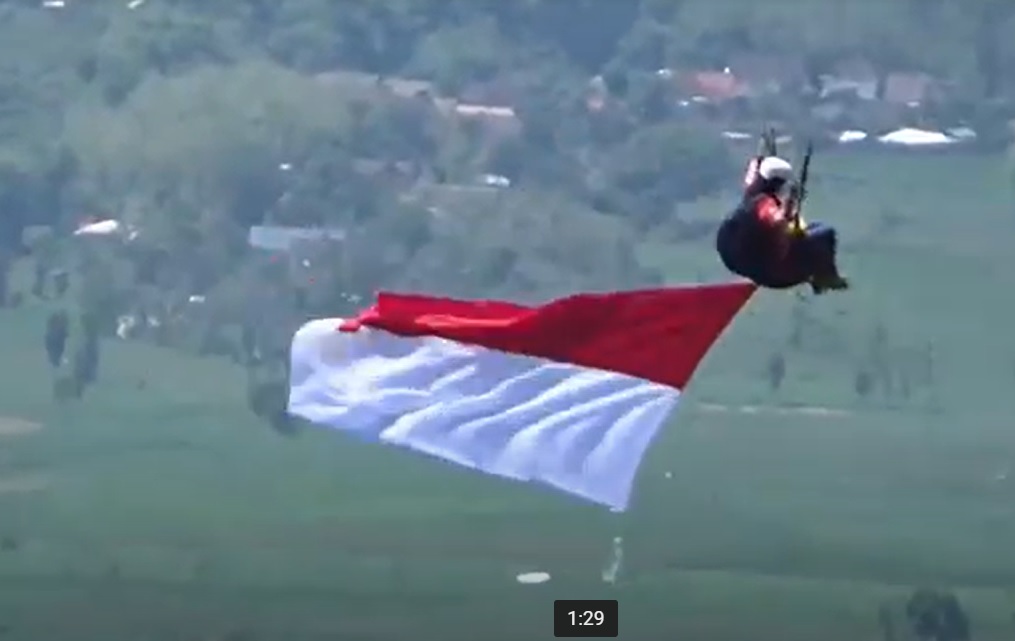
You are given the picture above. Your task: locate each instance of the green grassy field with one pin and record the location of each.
(169, 513)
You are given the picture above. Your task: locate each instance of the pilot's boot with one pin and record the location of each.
(831, 281)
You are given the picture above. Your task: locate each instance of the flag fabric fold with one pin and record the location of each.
(569, 394)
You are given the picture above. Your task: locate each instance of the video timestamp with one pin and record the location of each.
(587, 618)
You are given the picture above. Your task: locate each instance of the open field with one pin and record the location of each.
(169, 513)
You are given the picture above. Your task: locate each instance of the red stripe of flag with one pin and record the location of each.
(658, 335)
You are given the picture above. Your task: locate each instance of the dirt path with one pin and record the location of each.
(816, 411)
(11, 426)
(24, 484)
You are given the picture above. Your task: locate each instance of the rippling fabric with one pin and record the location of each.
(569, 394)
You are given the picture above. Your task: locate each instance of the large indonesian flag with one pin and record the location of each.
(569, 393)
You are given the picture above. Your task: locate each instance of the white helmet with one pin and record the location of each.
(775, 168)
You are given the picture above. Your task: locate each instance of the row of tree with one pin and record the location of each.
(86, 83)
(460, 41)
(192, 121)
(880, 368)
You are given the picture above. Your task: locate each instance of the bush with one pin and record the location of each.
(935, 615)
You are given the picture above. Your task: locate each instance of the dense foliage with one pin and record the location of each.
(192, 121)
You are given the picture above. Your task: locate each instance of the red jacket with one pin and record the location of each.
(767, 208)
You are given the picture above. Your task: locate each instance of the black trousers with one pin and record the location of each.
(745, 248)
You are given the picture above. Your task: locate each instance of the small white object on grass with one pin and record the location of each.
(615, 561)
(668, 474)
(100, 228)
(852, 135)
(911, 137)
(134, 4)
(124, 325)
(533, 578)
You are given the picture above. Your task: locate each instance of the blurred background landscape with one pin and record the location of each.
(840, 463)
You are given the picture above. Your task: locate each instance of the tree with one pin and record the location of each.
(164, 38)
(935, 615)
(397, 128)
(85, 359)
(210, 166)
(193, 121)
(776, 371)
(524, 244)
(55, 339)
(886, 623)
(662, 165)
(589, 43)
(455, 56)
(268, 396)
(642, 48)
(863, 383)
(509, 158)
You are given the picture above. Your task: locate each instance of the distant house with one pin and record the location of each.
(285, 239)
(911, 89)
(445, 106)
(492, 104)
(761, 74)
(487, 112)
(831, 113)
(368, 85)
(409, 87)
(395, 173)
(854, 77)
(493, 93)
(495, 121)
(452, 199)
(349, 80)
(713, 86)
(745, 77)
(300, 246)
(597, 95)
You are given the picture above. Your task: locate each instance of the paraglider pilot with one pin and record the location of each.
(766, 241)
